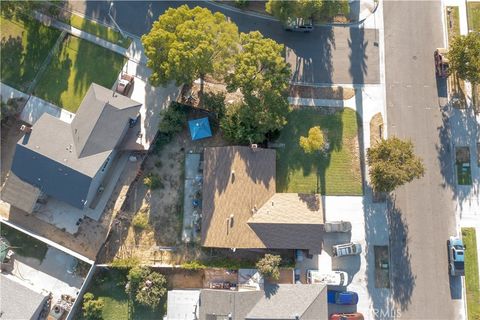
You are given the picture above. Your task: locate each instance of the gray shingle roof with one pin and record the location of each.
(61, 158)
(17, 301)
(99, 123)
(283, 301)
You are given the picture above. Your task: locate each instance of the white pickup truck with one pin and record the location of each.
(332, 278)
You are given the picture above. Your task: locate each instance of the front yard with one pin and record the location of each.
(471, 273)
(70, 73)
(338, 172)
(24, 45)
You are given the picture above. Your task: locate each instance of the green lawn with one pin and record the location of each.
(110, 286)
(453, 22)
(471, 273)
(99, 30)
(77, 65)
(24, 47)
(473, 16)
(336, 173)
(23, 244)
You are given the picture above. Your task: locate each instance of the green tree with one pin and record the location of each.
(92, 308)
(393, 163)
(146, 286)
(315, 141)
(251, 121)
(281, 9)
(259, 66)
(317, 10)
(464, 56)
(173, 119)
(186, 44)
(215, 102)
(269, 266)
(19, 9)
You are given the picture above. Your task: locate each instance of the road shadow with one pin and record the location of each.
(402, 278)
(458, 128)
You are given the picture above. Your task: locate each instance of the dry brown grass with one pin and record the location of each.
(376, 129)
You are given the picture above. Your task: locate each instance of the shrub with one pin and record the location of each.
(92, 308)
(315, 141)
(269, 266)
(152, 181)
(215, 103)
(158, 164)
(193, 265)
(125, 263)
(241, 3)
(173, 119)
(140, 221)
(148, 287)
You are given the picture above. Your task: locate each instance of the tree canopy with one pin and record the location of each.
(464, 56)
(269, 266)
(92, 308)
(259, 66)
(393, 163)
(315, 141)
(147, 287)
(185, 44)
(306, 9)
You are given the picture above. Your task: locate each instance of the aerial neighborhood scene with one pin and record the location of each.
(240, 159)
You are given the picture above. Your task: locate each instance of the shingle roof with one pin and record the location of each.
(242, 210)
(100, 120)
(17, 301)
(61, 158)
(225, 194)
(283, 301)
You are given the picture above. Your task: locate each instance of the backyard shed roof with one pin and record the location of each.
(282, 301)
(20, 194)
(17, 301)
(242, 210)
(199, 128)
(182, 304)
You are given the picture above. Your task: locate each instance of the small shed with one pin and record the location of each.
(200, 128)
(183, 304)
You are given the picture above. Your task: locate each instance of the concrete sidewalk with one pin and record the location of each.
(134, 51)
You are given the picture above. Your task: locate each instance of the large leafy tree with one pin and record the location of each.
(186, 44)
(259, 66)
(262, 75)
(92, 308)
(464, 56)
(306, 9)
(250, 121)
(393, 163)
(148, 287)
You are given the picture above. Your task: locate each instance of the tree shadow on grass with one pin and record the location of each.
(12, 57)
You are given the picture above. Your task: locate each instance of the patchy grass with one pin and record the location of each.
(453, 22)
(336, 172)
(471, 273)
(109, 284)
(22, 244)
(99, 30)
(473, 12)
(24, 45)
(77, 65)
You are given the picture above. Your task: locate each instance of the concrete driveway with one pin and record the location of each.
(326, 55)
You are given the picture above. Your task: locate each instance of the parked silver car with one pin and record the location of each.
(332, 278)
(338, 226)
(299, 25)
(347, 249)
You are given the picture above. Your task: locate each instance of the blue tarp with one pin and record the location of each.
(199, 128)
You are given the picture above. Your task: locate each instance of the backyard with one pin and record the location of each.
(70, 73)
(473, 12)
(23, 244)
(471, 273)
(110, 286)
(24, 44)
(337, 171)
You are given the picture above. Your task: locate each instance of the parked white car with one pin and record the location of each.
(347, 249)
(338, 226)
(333, 278)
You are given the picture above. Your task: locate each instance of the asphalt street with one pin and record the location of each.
(422, 217)
(339, 55)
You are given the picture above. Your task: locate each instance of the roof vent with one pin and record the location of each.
(272, 203)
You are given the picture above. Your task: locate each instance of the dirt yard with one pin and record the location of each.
(160, 242)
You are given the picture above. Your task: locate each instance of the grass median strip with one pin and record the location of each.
(473, 12)
(471, 273)
(99, 30)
